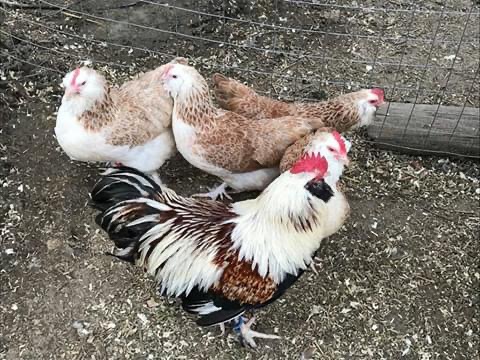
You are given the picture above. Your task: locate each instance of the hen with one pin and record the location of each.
(223, 260)
(245, 154)
(129, 125)
(342, 113)
(302, 146)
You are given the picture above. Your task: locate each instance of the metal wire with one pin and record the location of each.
(429, 57)
(321, 58)
(460, 42)
(287, 28)
(61, 53)
(100, 42)
(248, 47)
(373, 9)
(474, 81)
(32, 64)
(399, 68)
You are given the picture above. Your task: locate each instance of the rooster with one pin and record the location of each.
(220, 259)
(245, 154)
(342, 113)
(129, 125)
(307, 145)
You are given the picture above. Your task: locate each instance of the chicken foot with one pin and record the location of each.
(215, 193)
(242, 328)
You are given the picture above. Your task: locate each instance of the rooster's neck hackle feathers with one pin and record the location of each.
(279, 231)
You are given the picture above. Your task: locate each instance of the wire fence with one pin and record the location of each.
(425, 55)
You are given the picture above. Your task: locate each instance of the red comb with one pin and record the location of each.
(76, 72)
(341, 142)
(380, 93)
(166, 70)
(311, 163)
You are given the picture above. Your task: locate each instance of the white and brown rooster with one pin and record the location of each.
(130, 125)
(344, 112)
(244, 153)
(223, 260)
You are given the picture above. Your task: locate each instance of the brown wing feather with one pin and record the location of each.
(143, 111)
(242, 145)
(137, 126)
(240, 283)
(229, 146)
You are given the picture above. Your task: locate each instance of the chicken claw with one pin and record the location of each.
(315, 265)
(215, 193)
(246, 334)
(222, 329)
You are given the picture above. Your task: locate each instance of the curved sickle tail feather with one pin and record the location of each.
(130, 204)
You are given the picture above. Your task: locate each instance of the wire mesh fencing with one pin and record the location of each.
(425, 55)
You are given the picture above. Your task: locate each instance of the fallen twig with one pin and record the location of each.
(81, 17)
(122, 6)
(17, 5)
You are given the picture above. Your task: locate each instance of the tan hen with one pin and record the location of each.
(343, 112)
(245, 154)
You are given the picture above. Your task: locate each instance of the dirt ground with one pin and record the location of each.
(399, 281)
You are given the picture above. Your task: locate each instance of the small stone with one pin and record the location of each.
(53, 244)
(142, 318)
(151, 303)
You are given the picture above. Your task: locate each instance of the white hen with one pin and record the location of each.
(130, 125)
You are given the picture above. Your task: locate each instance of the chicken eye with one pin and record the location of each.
(331, 149)
(174, 76)
(83, 83)
(372, 101)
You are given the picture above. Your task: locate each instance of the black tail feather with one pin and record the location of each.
(117, 184)
(122, 195)
(222, 309)
(219, 317)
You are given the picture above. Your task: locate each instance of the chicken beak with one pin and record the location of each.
(346, 160)
(70, 91)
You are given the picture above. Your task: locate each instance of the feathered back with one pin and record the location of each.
(234, 96)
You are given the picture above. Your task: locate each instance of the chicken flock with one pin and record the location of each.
(220, 258)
